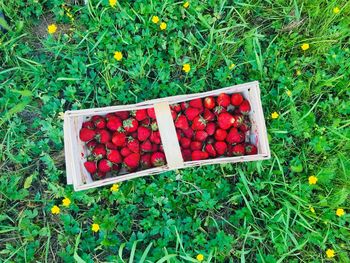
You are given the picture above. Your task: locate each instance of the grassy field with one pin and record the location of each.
(292, 208)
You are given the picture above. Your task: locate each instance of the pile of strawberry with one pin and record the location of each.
(123, 141)
(213, 127)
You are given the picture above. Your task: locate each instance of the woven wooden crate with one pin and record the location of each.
(76, 151)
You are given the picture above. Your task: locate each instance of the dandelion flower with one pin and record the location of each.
(186, 67)
(313, 179)
(340, 212)
(200, 257)
(51, 29)
(336, 10)
(66, 202)
(115, 188)
(112, 3)
(118, 55)
(155, 19)
(330, 253)
(55, 210)
(298, 72)
(274, 115)
(305, 46)
(95, 227)
(186, 4)
(231, 66)
(162, 26)
(289, 93)
(312, 210)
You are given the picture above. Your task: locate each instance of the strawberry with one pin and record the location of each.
(146, 146)
(115, 167)
(199, 155)
(91, 144)
(210, 129)
(90, 167)
(134, 135)
(236, 99)
(99, 151)
(201, 136)
(114, 156)
(111, 146)
(146, 122)
(198, 123)
(140, 115)
(184, 105)
(133, 145)
(123, 115)
(86, 134)
(119, 138)
(245, 107)
(188, 133)
(218, 110)
(229, 150)
(185, 142)
(155, 137)
(161, 149)
(157, 159)
(101, 174)
(98, 121)
(250, 149)
(210, 140)
(208, 115)
(176, 107)
(143, 133)
(114, 123)
(223, 100)
(145, 161)
(234, 136)
(246, 125)
(195, 146)
(89, 125)
(209, 148)
(173, 114)
(151, 113)
(125, 151)
(196, 103)
(130, 125)
(239, 119)
(191, 113)
(103, 136)
(186, 154)
(131, 162)
(209, 103)
(220, 135)
(181, 122)
(225, 120)
(220, 147)
(155, 147)
(238, 149)
(104, 166)
(179, 134)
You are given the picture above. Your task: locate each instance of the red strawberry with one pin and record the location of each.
(210, 129)
(209, 148)
(179, 134)
(158, 159)
(245, 107)
(234, 136)
(209, 103)
(131, 162)
(101, 174)
(108, 115)
(146, 146)
(250, 149)
(155, 147)
(130, 125)
(199, 155)
(146, 122)
(239, 119)
(140, 115)
(246, 125)
(210, 140)
(90, 167)
(143, 133)
(114, 123)
(111, 146)
(86, 134)
(188, 133)
(145, 161)
(186, 154)
(229, 150)
(196, 146)
(161, 149)
(191, 113)
(91, 144)
(99, 151)
(238, 149)
(198, 123)
(114, 156)
(104, 165)
(185, 142)
(125, 151)
(155, 137)
(119, 138)
(151, 113)
(201, 136)
(123, 115)
(115, 167)
(181, 122)
(208, 115)
(173, 114)
(133, 145)
(236, 99)
(225, 120)
(184, 105)
(218, 110)
(99, 121)
(103, 136)
(88, 124)
(223, 100)
(220, 135)
(176, 107)
(196, 103)
(134, 135)
(220, 147)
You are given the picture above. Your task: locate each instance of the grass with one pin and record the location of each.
(250, 212)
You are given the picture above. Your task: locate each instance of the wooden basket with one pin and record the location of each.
(76, 151)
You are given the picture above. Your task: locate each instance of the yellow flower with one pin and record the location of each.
(289, 93)
(330, 253)
(186, 68)
(200, 257)
(298, 72)
(336, 10)
(55, 210)
(115, 188)
(312, 179)
(186, 5)
(312, 210)
(66, 202)
(305, 46)
(52, 28)
(274, 115)
(231, 66)
(155, 19)
(118, 55)
(162, 26)
(95, 227)
(112, 3)
(61, 115)
(340, 212)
